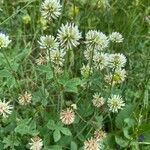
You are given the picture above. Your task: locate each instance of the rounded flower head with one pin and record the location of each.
(58, 70)
(117, 60)
(116, 78)
(101, 60)
(119, 76)
(25, 98)
(50, 9)
(4, 40)
(99, 135)
(26, 19)
(86, 71)
(57, 57)
(48, 42)
(96, 40)
(97, 100)
(36, 143)
(5, 109)
(116, 37)
(67, 116)
(115, 103)
(91, 144)
(41, 60)
(69, 36)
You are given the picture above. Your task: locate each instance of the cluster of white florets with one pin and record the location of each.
(112, 65)
(97, 57)
(95, 142)
(96, 54)
(4, 40)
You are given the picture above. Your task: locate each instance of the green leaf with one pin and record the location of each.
(47, 70)
(5, 73)
(26, 126)
(120, 141)
(51, 125)
(144, 127)
(73, 146)
(1, 145)
(126, 133)
(130, 122)
(56, 135)
(54, 147)
(147, 137)
(122, 115)
(10, 142)
(22, 129)
(65, 131)
(32, 129)
(18, 57)
(71, 85)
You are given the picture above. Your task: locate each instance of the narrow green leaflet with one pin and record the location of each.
(65, 131)
(73, 146)
(56, 135)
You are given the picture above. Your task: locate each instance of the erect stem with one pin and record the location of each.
(60, 17)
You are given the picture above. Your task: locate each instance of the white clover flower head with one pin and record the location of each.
(99, 135)
(69, 35)
(86, 71)
(96, 40)
(58, 70)
(117, 77)
(5, 108)
(97, 100)
(91, 144)
(117, 60)
(25, 98)
(116, 37)
(57, 57)
(101, 60)
(36, 143)
(51, 9)
(67, 116)
(4, 40)
(41, 60)
(115, 103)
(48, 42)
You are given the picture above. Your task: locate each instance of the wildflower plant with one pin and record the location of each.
(68, 75)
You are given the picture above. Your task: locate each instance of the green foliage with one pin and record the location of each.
(52, 91)
(57, 129)
(122, 116)
(26, 126)
(10, 142)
